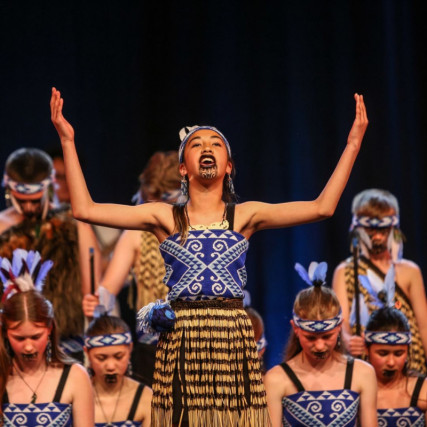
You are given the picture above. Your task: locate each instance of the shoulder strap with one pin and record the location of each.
(416, 392)
(230, 215)
(5, 398)
(61, 384)
(292, 376)
(349, 373)
(135, 402)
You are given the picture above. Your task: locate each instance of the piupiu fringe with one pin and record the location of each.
(212, 352)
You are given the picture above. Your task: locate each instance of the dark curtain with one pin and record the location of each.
(276, 77)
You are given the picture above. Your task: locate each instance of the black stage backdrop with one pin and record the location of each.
(276, 77)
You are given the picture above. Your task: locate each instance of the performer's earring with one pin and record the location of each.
(339, 341)
(230, 184)
(90, 371)
(49, 351)
(184, 186)
(129, 371)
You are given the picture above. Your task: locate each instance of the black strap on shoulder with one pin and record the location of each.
(348, 373)
(230, 215)
(417, 389)
(135, 402)
(61, 384)
(292, 376)
(5, 398)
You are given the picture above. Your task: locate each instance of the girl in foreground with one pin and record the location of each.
(402, 396)
(207, 367)
(119, 400)
(317, 384)
(43, 387)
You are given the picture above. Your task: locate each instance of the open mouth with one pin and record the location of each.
(29, 356)
(389, 373)
(110, 378)
(207, 161)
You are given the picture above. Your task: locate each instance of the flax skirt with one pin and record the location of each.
(207, 370)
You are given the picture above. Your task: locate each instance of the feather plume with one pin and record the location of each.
(316, 274)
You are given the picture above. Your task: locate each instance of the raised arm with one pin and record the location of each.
(263, 215)
(150, 216)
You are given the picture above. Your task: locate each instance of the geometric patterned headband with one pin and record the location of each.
(121, 338)
(318, 325)
(388, 338)
(370, 222)
(186, 132)
(26, 188)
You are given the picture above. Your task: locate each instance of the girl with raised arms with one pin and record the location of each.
(207, 366)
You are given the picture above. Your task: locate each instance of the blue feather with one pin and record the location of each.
(44, 269)
(319, 274)
(390, 286)
(303, 273)
(18, 256)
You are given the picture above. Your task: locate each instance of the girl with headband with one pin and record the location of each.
(317, 384)
(207, 367)
(43, 386)
(402, 395)
(119, 400)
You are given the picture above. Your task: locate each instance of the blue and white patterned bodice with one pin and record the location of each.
(401, 417)
(52, 414)
(211, 264)
(337, 408)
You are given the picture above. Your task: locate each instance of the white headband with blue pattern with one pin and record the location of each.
(119, 338)
(186, 132)
(388, 338)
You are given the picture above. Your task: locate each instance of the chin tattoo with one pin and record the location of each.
(110, 378)
(321, 354)
(29, 357)
(208, 173)
(389, 373)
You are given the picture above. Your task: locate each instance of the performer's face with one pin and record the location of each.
(109, 363)
(28, 341)
(388, 360)
(31, 205)
(205, 156)
(379, 237)
(318, 346)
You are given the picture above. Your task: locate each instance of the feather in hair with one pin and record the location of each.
(316, 272)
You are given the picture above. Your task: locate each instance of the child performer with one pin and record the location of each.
(317, 384)
(119, 400)
(402, 396)
(43, 386)
(207, 367)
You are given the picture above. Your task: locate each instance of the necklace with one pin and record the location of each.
(203, 226)
(34, 396)
(109, 423)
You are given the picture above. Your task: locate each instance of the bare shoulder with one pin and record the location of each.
(244, 217)
(78, 372)
(275, 377)
(407, 265)
(363, 374)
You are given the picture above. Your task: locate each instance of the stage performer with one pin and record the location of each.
(377, 244)
(33, 221)
(207, 366)
(317, 382)
(44, 387)
(402, 394)
(119, 400)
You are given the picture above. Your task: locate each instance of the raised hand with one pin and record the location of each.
(360, 123)
(64, 129)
